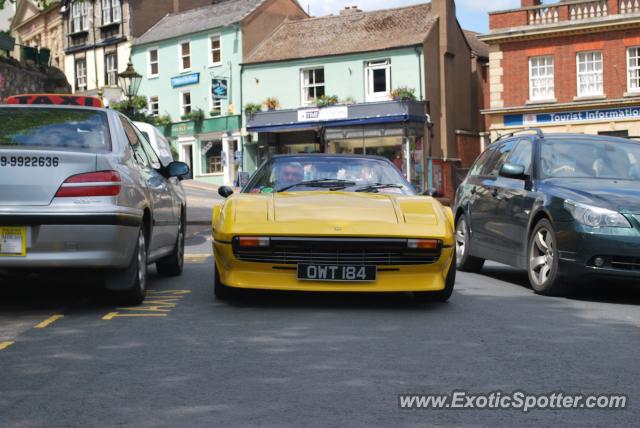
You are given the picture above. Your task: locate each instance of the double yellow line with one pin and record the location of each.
(44, 324)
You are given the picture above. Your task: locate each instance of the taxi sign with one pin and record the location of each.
(56, 99)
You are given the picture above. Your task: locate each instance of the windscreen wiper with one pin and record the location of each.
(325, 182)
(376, 186)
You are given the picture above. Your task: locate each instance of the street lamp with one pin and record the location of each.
(130, 81)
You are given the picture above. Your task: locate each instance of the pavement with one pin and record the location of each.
(75, 359)
(201, 197)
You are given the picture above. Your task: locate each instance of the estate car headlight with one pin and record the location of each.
(594, 216)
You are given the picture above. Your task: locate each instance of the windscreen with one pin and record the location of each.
(54, 128)
(567, 158)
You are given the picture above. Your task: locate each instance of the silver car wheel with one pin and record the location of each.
(542, 256)
(461, 240)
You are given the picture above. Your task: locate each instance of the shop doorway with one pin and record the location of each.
(186, 156)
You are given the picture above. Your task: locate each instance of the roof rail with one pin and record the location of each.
(538, 132)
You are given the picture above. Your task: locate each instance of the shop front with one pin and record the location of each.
(209, 148)
(393, 129)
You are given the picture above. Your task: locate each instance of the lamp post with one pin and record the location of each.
(130, 84)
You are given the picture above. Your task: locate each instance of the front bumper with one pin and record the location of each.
(580, 246)
(239, 274)
(75, 240)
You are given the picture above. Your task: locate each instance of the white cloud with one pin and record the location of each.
(325, 7)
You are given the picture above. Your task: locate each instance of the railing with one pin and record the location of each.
(593, 9)
(545, 15)
(629, 6)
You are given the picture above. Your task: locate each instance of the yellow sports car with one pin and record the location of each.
(337, 223)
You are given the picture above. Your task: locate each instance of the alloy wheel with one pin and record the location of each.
(542, 256)
(461, 239)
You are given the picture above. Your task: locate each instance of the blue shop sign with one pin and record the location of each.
(572, 116)
(219, 89)
(187, 79)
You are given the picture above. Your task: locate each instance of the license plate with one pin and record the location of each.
(13, 241)
(337, 273)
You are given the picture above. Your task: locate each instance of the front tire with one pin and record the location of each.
(543, 259)
(442, 295)
(465, 262)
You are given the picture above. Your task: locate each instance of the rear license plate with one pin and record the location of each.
(13, 241)
(337, 273)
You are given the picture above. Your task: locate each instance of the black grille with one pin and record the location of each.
(343, 251)
(625, 263)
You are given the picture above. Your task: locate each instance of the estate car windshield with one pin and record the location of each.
(570, 158)
(56, 128)
(307, 173)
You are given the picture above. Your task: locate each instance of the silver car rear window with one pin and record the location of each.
(76, 129)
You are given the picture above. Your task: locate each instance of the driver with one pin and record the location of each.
(289, 174)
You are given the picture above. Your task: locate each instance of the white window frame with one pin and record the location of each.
(304, 85)
(590, 57)
(155, 112)
(114, 70)
(549, 95)
(633, 69)
(78, 76)
(212, 63)
(181, 57)
(370, 67)
(111, 11)
(213, 102)
(150, 73)
(183, 105)
(79, 16)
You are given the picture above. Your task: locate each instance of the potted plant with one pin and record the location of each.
(252, 108)
(349, 101)
(272, 103)
(403, 93)
(196, 115)
(163, 121)
(326, 101)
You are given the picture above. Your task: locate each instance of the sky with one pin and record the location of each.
(472, 14)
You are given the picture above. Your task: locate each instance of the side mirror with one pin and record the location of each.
(225, 191)
(178, 169)
(243, 179)
(510, 170)
(433, 192)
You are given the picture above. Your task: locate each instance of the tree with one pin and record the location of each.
(135, 110)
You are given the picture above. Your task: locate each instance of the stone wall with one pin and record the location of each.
(18, 79)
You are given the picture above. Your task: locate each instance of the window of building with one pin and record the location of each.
(81, 75)
(312, 85)
(111, 69)
(213, 156)
(154, 106)
(216, 107)
(215, 57)
(154, 65)
(111, 11)
(590, 73)
(633, 69)
(79, 16)
(185, 56)
(541, 83)
(378, 77)
(185, 103)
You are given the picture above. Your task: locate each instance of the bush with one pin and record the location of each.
(403, 94)
(272, 103)
(252, 108)
(326, 100)
(163, 121)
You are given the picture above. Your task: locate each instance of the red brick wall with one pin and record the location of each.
(468, 149)
(613, 45)
(507, 19)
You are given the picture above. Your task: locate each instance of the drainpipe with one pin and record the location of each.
(420, 77)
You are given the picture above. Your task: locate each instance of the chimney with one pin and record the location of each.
(348, 10)
(529, 3)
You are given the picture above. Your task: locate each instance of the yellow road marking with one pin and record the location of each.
(5, 345)
(49, 321)
(112, 315)
(159, 304)
(197, 258)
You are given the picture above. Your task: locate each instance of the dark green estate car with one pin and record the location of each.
(562, 206)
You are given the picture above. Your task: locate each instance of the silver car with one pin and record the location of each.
(80, 187)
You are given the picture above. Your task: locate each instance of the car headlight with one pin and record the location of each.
(594, 216)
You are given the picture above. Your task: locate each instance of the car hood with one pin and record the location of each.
(618, 195)
(320, 213)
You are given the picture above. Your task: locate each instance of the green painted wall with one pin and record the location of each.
(231, 46)
(344, 76)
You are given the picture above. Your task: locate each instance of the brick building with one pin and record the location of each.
(570, 66)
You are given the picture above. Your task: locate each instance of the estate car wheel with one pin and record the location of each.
(136, 275)
(443, 295)
(173, 264)
(466, 262)
(221, 291)
(543, 256)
